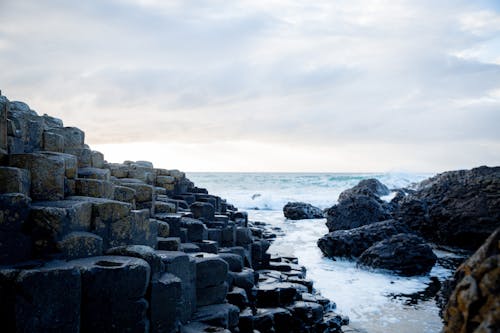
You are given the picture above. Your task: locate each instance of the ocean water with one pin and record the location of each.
(374, 301)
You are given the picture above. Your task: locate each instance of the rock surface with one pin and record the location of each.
(301, 211)
(459, 208)
(352, 243)
(474, 305)
(405, 254)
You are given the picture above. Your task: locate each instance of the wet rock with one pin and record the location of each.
(197, 327)
(189, 248)
(458, 208)
(475, 302)
(405, 254)
(301, 211)
(352, 243)
(356, 211)
(369, 187)
(208, 246)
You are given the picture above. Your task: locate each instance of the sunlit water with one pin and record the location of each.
(371, 299)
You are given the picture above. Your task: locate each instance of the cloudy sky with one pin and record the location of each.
(275, 85)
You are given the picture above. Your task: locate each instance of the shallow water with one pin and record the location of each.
(367, 297)
(375, 301)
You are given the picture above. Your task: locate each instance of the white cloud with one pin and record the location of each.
(319, 74)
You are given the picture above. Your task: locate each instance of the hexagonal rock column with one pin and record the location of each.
(15, 245)
(184, 267)
(45, 299)
(113, 291)
(47, 174)
(211, 276)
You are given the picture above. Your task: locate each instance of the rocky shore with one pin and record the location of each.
(92, 246)
(458, 210)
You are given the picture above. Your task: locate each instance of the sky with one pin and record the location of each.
(275, 85)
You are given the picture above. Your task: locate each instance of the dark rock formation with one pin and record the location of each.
(405, 254)
(474, 304)
(62, 206)
(355, 211)
(459, 208)
(369, 187)
(301, 211)
(352, 243)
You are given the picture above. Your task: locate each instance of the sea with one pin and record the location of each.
(375, 301)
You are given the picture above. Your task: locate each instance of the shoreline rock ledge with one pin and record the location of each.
(92, 246)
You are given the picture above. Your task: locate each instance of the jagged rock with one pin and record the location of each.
(83, 155)
(14, 180)
(73, 137)
(80, 244)
(301, 211)
(474, 305)
(351, 243)
(70, 163)
(405, 254)
(459, 208)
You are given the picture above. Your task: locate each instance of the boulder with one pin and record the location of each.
(458, 208)
(474, 304)
(369, 187)
(405, 254)
(301, 211)
(352, 243)
(356, 211)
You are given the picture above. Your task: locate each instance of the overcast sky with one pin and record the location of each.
(275, 85)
